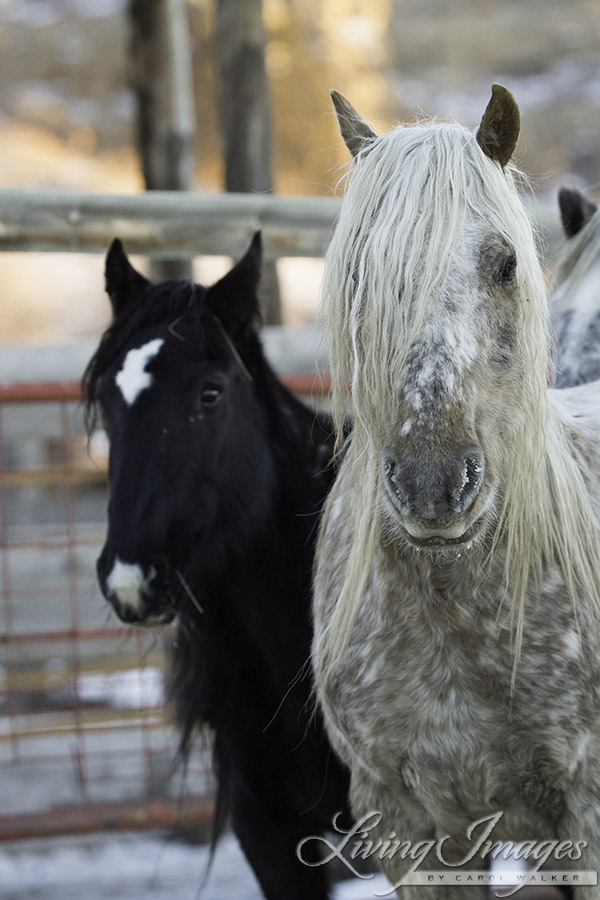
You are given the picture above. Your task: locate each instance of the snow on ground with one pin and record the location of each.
(131, 689)
(136, 866)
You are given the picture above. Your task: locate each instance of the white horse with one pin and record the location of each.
(457, 584)
(575, 304)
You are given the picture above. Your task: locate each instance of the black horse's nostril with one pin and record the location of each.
(138, 592)
(124, 612)
(159, 571)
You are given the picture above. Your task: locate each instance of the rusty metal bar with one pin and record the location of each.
(109, 816)
(308, 385)
(67, 634)
(46, 477)
(58, 391)
(127, 720)
(39, 391)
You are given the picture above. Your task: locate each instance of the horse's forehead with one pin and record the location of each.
(132, 378)
(436, 363)
(449, 312)
(446, 345)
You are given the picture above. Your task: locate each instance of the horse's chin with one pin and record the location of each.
(443, 540)
(148, 617)
(156, 620)
(436, 541)
(437, 544)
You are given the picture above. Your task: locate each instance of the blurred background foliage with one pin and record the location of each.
(66, 106)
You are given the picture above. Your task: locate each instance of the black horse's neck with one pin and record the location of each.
(274, 536)
(256, 591)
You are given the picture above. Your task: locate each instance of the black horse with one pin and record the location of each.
(217, 476)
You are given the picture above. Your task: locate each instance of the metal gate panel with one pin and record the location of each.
(86, 736)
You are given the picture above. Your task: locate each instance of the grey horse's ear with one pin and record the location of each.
(499, 129)
(355, 131)
(575, 210)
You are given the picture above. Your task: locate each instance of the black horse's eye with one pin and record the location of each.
(210, 395)
(506, 271)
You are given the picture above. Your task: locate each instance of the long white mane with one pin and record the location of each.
(413, 200)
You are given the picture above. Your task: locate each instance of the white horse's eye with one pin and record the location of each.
(506, 271)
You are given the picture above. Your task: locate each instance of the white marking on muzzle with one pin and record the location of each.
(132, 379)
(128, 583)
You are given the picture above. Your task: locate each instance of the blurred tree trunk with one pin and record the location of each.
(162, 79)
(245, 108)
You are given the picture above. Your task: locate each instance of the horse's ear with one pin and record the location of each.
(122, 281)
(499, 129)
(575, 210)
(233, 299)
(356, 132)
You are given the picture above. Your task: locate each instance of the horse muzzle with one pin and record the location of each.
(138, 597)
(436, 505)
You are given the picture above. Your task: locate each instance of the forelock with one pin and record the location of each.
(167, 302)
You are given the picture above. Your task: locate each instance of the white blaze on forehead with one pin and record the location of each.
(132, 379)
(127, 582)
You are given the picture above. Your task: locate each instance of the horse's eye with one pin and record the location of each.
(210, 396)
(505, 272)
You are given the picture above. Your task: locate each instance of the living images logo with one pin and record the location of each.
(491, 862)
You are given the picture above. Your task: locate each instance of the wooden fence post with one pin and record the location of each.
(245, 112)
(162, 79)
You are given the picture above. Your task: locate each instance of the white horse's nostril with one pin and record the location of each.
(391, 475)
(470, 483)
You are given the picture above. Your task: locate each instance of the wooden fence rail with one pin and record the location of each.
(164, 223)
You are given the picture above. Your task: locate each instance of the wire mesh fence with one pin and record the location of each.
(87, 739)
(86, 736)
